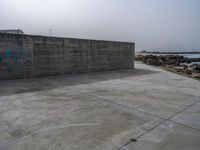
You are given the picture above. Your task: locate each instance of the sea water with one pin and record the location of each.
(192, 55)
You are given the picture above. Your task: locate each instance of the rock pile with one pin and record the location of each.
(179, 63)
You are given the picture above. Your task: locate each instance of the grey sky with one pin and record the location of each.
(156, 25)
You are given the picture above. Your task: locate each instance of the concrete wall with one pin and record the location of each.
(32, 56)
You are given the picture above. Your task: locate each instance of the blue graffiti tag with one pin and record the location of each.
(1, 59)
(7, 53)
(14, 60)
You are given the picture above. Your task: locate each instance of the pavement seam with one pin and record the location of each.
(110, 101)
(184, 125)
(106, 100)
(169, 119)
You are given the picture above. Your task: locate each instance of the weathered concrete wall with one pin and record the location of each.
(31, 56)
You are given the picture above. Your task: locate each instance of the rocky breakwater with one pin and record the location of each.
(173, 63)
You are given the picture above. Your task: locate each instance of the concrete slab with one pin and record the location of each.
(101, 110)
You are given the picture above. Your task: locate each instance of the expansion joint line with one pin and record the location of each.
(162, 122)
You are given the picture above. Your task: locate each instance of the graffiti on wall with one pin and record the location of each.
(14, 60)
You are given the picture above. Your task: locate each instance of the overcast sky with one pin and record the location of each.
(154, 25)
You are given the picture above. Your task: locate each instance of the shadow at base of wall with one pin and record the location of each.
(17, 86)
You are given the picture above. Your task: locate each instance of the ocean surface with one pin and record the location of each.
(191, 55)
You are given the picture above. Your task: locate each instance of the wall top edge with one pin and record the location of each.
(42, 36)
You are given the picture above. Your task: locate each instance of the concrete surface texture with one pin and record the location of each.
(101, 111)
(24, 56)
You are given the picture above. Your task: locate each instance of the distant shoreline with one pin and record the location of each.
(169, 52)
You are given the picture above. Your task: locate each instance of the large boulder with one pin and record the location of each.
(195, 59)
(187, 71)
(196, 75)
(195, 68)
(173, 57)
(172, 62)
(139, 58)
(154, 62)
(175, 60)
(185, 60)
(184, 66)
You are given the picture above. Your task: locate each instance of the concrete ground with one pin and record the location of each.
(101, 111)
